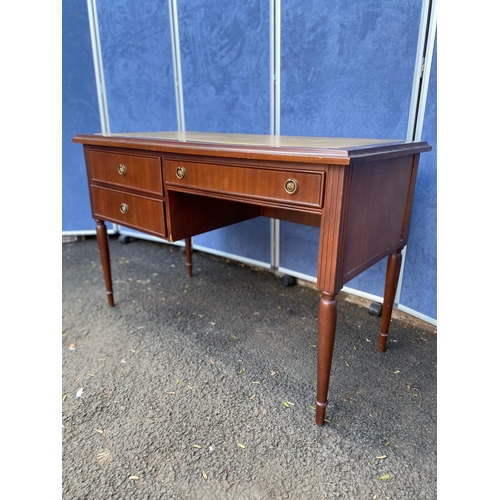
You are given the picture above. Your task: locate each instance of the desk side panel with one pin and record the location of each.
(379, 210)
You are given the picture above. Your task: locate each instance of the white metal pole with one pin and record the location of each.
(176, 58)
(98, 66)
(275, 111)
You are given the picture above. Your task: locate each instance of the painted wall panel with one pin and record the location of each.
(419, 289)
(225, 65)
(137, 62)
(347, 67)
(299, 248)
(80, 114)
(347, 71)
(249, 239)
(225, 72)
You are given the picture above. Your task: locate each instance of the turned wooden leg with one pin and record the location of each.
(102, 241)
(391, 284)
(327, 322)
(189, 264)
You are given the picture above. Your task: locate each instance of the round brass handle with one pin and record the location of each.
(180, 172)
(124, 208)
(122, 169)
(291, 186)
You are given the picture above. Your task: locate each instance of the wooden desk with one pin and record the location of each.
(175, 185)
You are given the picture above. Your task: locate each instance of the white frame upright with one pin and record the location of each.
(98, 66)
(176, 59)
(275, 105)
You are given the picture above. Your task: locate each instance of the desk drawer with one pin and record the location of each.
(138, 172)
(293, 187)
(138, 212)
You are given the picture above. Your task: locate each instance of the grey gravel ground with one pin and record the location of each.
(203, 388)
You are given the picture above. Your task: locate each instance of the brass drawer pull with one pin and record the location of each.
(122, 169)
(180, 172)
(124, 208)
(291, 186)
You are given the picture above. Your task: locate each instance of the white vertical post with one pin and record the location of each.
(275, 64)
(275, 111)
(426, 71)
(98, 66)
(176, 59)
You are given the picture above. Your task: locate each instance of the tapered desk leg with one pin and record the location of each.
(327, 322)
(102, 241)
(189, 264)
(391, 284)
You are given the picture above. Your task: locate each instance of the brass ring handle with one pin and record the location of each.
(291, 186)
(124, 208)
(180, 172)
(122, 169)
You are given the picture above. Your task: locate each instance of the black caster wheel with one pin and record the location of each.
(287, 280)
(123, 238)
(375, 309)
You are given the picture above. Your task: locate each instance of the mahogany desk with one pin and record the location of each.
(175, 185)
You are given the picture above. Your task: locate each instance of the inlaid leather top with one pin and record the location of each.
(335, 150)
(275, 141)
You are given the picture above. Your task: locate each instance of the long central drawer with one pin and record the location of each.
(292, 187)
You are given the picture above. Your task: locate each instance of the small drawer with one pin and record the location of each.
(139, 172)
(292, 187)
(137, 212)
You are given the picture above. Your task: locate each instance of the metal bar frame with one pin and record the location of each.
(98, 66)
(176, 59)
(275, 105)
